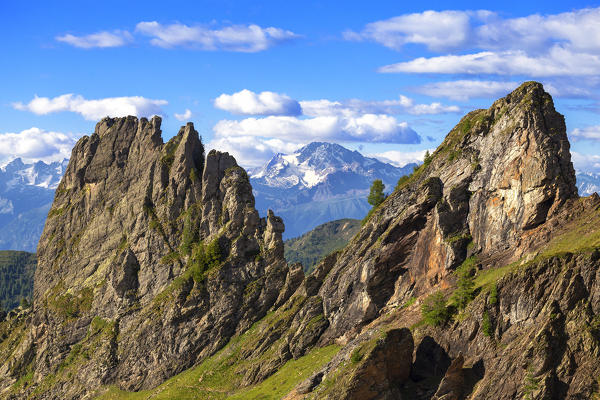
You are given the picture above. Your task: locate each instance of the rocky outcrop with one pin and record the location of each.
(499, 189)
(146, 271)
(152, 258)
(498, 174)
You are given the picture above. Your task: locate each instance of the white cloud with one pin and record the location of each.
(255, 140)
(102, 39)
(585, 162)
(242, 38)
(375, 128)
(246, 102)
(36, 144)
(94, 109)
(482, 42)
(579, 30)
(400, 158)
(403, 105)
(558, 62)
(463, 90)
(437, 30)
(452, 29)
(252, 151)
(185, 116)
(589, 133)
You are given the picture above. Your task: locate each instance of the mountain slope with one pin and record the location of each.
(531, 329)
(16, 277)
(476, 278)
(311, 247)
(321, 182)
(26, 194)
(149, 248)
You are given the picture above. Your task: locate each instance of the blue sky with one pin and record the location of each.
(388, 78)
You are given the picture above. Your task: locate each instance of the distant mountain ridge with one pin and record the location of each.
(310, 248)
(321, 182)
(588, 183)
(26, 194)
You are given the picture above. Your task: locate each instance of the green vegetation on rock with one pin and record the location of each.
(220, 376)
(434, 309)
(465, 286)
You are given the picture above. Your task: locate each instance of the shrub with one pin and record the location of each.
(205, 257)
(402, 181)
(434, 310)
(355, 357)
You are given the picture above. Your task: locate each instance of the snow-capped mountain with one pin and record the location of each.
(321, 182)
(588, 183)
(26, 194)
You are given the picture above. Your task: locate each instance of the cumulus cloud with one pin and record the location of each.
(587, 133)
(579, 30)
(558, 61)
(36, 144)
(373, 128)
(463, 90)
(438, 30)
(288, 123)
(241, 38)
(94, 109)
(585, 162)
(484, 43)
(451, 29)
(246, 102)
(252, 151)
(401, 158)
(102, 39)
(402, 105)
(185, 116)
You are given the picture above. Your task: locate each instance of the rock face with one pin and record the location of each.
(152, 257)
(499, 173)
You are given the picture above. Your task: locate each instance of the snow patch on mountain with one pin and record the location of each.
(588, 183)
(318, 183)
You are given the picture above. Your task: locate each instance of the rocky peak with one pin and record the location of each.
(151, 241)
(499, 173)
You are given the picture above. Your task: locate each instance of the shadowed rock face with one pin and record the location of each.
(152, 257)
(499, 173)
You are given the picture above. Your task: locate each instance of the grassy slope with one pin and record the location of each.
(579, 235)
(16, 277)
(311, 247)
(219, 376)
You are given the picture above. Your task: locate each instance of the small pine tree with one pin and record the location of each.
(376, 196)
(427, 159)
(465, 287)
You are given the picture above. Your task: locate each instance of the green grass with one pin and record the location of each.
(218, 377)
(288, 376)
(581, 235)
